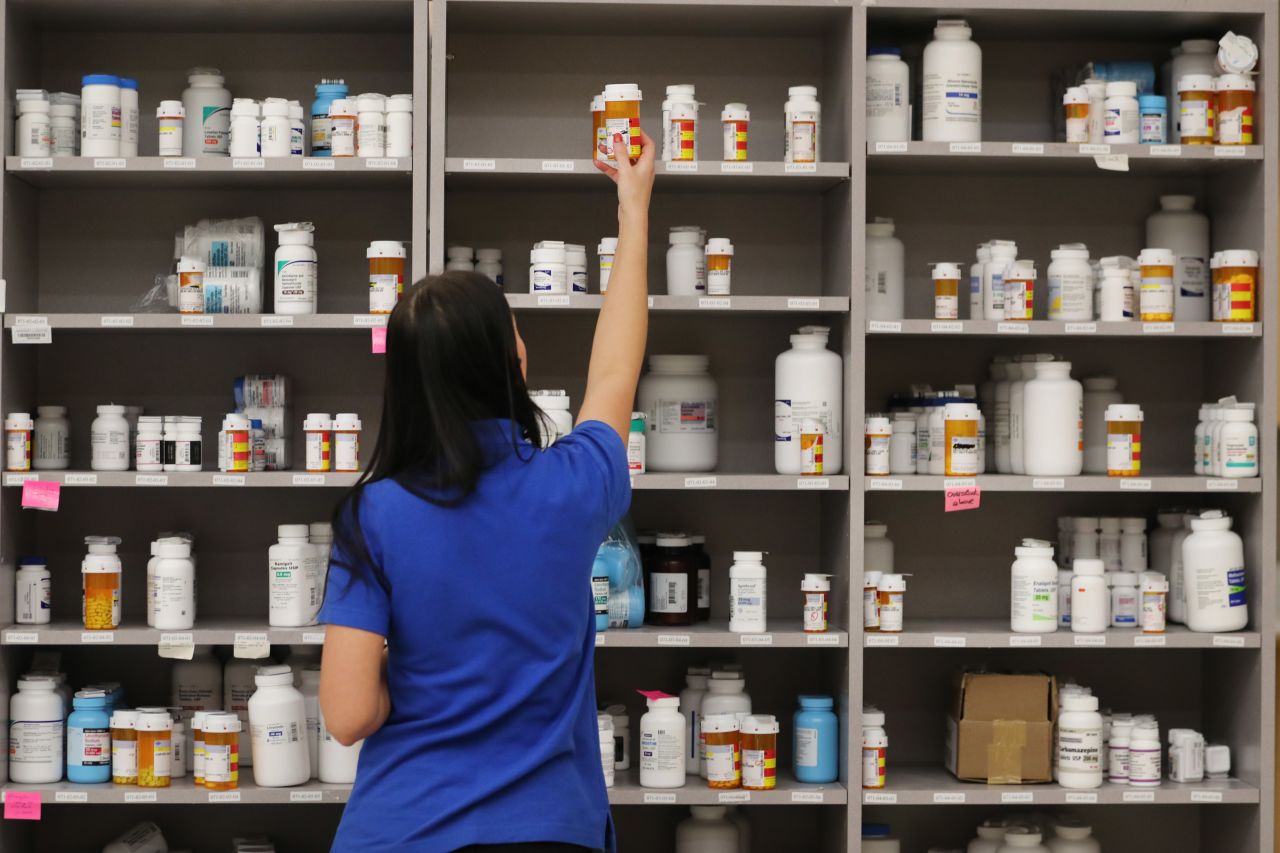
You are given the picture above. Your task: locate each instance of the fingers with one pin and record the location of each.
(607, 169)
(621, 154)
(647, 146)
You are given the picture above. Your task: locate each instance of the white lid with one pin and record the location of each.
(546, 255)
(735, 112)
(878, 425)
(371, 102)
(608, 246)
(1238, 258)
(719, 246)
(1196, 83)
(1034, 548)
(1079, 702)
(346, 421)
(342, 107)
(760, 724)
(1237, 54)
(1022, 836)
(880, 227)
(1124, 579)
(204, 74)
(679, 363)
(748, 556)
(676, 90)
(33, 107)
(871, 579)
(815, 583)
(683, 110)
(400, 104)
(622, 92)
(295, 109)
(385, 249)
(575, 251)
(293, 531)
(1124, 412)
(1156, 258)
(663, 701)
(874, 530)
(684, 238)
(274, 675)
(952, 29)
(1122, 89)
(872, 717)
(1071, 250)
(124, 719)
(719, 723)
(946, 269)
(235, 421)
(1235, 83)
(296, 234)
(317, 421)
(1133, 525)
(1021, 270)
(1006, 249)
(111, 410)
(673, 540)
(960, 412)
(153, 721)
(219, 723)
(1240, 414)
(1089, 567)
(802, 91)
(64, 110)
(597, 103)
(555, 400)
(173, 550)
(278, 107)
(892, 583)
(187, 264)
(488, 254)
(19, 420)
(1076, 95)
(244, 107)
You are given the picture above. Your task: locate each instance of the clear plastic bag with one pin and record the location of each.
(619, 557)
(233, 251)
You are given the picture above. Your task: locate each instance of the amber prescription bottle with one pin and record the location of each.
(222, 752)
(1235, 109)
(622, 116)
(155, 748)
(1238, 269)
(960, 425)
(100, 574)
(891, 596)
(1020, 291)
(1124, 440)
(722, 750)
(386, 275)
(760, 752)
(124, 747)
(597, 127)
(719, 266)
(736, 119)
(1155, 296)
(946, 291)
(197, 746)
(1196, 96)
(673, 582)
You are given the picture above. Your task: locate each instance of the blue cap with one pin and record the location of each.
(89, 702)
(99, 80)
(32, 561)
(884, 51)
(875, 830)
(331, 87)
(128, 83)
(254, 423)
(1153, 101)
(818, 702)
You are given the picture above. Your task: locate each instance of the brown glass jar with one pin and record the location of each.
(671, 582)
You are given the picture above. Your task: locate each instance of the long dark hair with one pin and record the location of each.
(451, 360)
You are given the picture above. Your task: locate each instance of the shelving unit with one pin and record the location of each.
(501, 89)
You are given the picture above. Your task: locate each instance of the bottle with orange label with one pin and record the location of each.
(622, 117)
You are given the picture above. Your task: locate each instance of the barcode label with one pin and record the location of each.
(71, 797)
(1013, 328)
(800, 168)
(36, 163)
(1221, 485)
(140, 797)
(228, 479)
(965, 148)
(892, 147)
(948, 797)
(700, 482)
(884, 484)
(1028, 148)
(479, 165)
(713, 302)
(1048, 483)
(1025, 641)
(886, 640)
(1081, 797)
(879, 799)
(682, 166)
(949, 642)
(96, 637)
(823, 639)
(1228, 642)
(1081, 328)
(306, 796)
(673, 639)
(1090, 639)
(179, 162)
(756, 640)
(1229, 150)
(1095, 149)
(31, 335)
(803, 303)
(884, 326)
(1139, 796)
(1017, 797)
(308, 479)
(382, 162)
(151, 480)
(196, 320)
(1135, 485)
(224, 796)
(269, 320)
(324, 164)
(1157, 328)
(736, 167)
(1165, 150)
(813, 483)
(673, 593)
(248, 163)
(1150, 640)
(946, 327)
(109, 162)
(557, 165)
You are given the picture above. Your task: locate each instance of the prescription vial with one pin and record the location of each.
(100, 120)
(902, 444)
(722, 750)
(1155, 298)
(109, 440)
(622, 117)
(371, 125)
(64, 130)
(952, 85)
(342, 128)
(748, 594)
(246, 128)
(1020, 290)
(489, 264)
(386, 275)
(636, 443)
(1034, 596)
(155, 748)
(698, 545)
(1196, 99)
(462, 258)
(1144, 755)
(597, 127)
(318, 432)
(607, 249)
(719, 266)
(802, 115)
(1238, 272)
(346, 442)
(148, 449)
(961, 439)
(207, 104)
(124, 747)
(878, 436)
(575, 257)
(1075, 103)
(1153, 119)
(277, 721)
(100, 584)
(888, 96)
(672, 583)
(234, 452)
(681, 130)
(295, 588)
(875, 748)
(1234, 124)
(816, 592)
(1089, 597)
(399, 122)
(681, 400)
(946, 291)
(870, 600)
(276, 130)
(760, 753)
(884, 273)
(1070, 283)
(891, 595)
(662, 746)
(548, 268)
(32, 591)
(18, 428)
(686, 261)
(726, 694)
(36, 715)
(191, 285)
(296, 268)
(34, 130)
(1124, 440)
(1120, 121)
(735, 119)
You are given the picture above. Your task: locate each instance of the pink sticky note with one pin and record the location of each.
(22, 805)
(962, 498)
(655, 694)
(41, 494)
(379, 339)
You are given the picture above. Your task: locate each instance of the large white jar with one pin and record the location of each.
(1099, 393)
(1195, 56)
(278, 722)
(207, 129)
(888, 96)
(708, 830)
(687, 261)
(885, 272)
(808, 383)
(1180, 228)
(952, 85)
(681, 401)
(1213, 575)
(1052, 411)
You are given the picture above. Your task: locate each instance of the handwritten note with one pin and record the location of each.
(961, 498)
(22, 805)
(41, 494)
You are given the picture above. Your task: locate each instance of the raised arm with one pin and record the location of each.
(617, 352)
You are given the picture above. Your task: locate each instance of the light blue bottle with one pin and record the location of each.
(327, 91)
(89, 738)
(1153, 119)
(816, 741)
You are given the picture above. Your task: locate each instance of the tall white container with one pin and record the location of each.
(691, 696)
(1179, 227)
(1195, 56)
(338, 763)
(1053, 406)
(1017, 411)
(278, 722)
(308, 684)
(173, 599)
(207, 103)
(888, 96)
(1214, 582)
(1070, 283)
(877, 548)
(662, 744)
(885, 272)
(294, 591)
(707, 830)
(1033, 605)
(1080, 742)
(1073, 835)
(1099, 392)
(681, 401)
(297, 268)
(952, 85)
(1090, 599)
(687, 261)
(808, 383)
(36, 732)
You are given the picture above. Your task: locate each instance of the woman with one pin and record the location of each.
(460, 639)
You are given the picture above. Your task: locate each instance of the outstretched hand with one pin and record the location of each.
(634, 180)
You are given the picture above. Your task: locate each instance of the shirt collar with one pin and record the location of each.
(498, 434)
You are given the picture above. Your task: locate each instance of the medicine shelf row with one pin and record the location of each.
(995, 634)
(284, 479)
(692, 175)
(909, 785)
(1052, 158)
(211, 172)
(1060, 328)
(625, 792)
(1089, 483)
(230, 632)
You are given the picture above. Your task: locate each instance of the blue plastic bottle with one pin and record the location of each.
(89, 738)
(816, 741)
(327, 91)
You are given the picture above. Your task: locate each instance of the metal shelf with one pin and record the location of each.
(209, 632)
(211, 172)
(627, 792)
(696, 175)
(716, 635)
(1058, 328)
(184, 479)
(995, 634)
(705, 305)
(740, 482)
(1089, 483)
(1053, 158)
(126, 322)
(183, 792)
(918, 786)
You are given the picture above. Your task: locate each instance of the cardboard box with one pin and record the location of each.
(1000, 728)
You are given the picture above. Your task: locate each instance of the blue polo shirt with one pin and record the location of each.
(491, 634)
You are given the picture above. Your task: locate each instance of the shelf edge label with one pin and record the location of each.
(1048, 483)
(946, 327)
(21, 638)
(140, 797)
(823, 639)
(90, 638)
(1089, 639)
(196, 320)
(714, 302)
(269, 320)
(1165, 151)
(109, 162)
(700, 482)
(1018, 797)
(1222, 642)
(1206, 796)
(151, 480)
(1139, 796)
(253, 645)
(803, 303)
(734, 797)
(681, 166)
(224, 796)
(1135, 485)
(755, 640)
(1150, 640)
(36, 163)
(313, 638)
(382, 162)
(558, 166)
(965, 148)
(1013, 328)
(474, 165)
(739, 167)
(1221, 485)
(803, 483)
(872, 798)
(177, 646)
(1028, 148)
(880, 640)
(1237, 329)
(1080, 328)
(811, 797)
(1229, 150)
(248, 163)
(674, 640)
(949, 642)
(306, 796)
(308, 479)
(884, 484)
(1025, 641)
(1081, 797)
(884, 326)
(659, 799)
(1158, 328)
(71, 796)
(800, 168)
(179, 162)
(949, 797)
(323, 164)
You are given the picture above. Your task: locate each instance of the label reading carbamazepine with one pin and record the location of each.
(668, 593)
(1080, 749)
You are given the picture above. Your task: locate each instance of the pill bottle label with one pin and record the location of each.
(541, 279)
(295, 282)
(218, 764)
(806, 747)
(162, 753)
(195, 697)
(1144, 766)
(1118, 124)
(1124, 610)
(99, 121)
(578, 280)
(735, 140)
(1019, 300)
(17, 448)
(1079, 749)
(606, 270)
(704, 589)
(1235, 127)
(681, 416)
(718, 282)
(668, 593)
(870, 609)
(187, 452)
(89, 747)
(804, 139)
(946, 307)
(1064, 605)
(1070, 295)
(173, 597)
(1151, 129)
(724, 762)
(1196, 118)
(191, 293)
(1240, 453)
(660, 750)
(964, 455)
(623, 126)
(682, 139)
(747, 603)
(346, 451)
(35, 742)
(124, 758)
(815, 612)
(1124, 452)
(759, 768)
(1156, 295)
(635, 452)
(877, 454)
(293, 586)
(1153, 612)
(1078, 129)
(1035, 601)
(148, 452)
(811, 447)
(891, 612)
(384, 293)
(342, 137)
(600, 594)
(318, 451)
(321, 128)
(109, 446)
(1118, 763)
(873, 766)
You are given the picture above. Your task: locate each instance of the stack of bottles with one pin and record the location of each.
(1064, 833)
(259, 435)
(555, 267)
(696, 265)
(1227, 440)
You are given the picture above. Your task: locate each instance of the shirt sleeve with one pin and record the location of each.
(598, 454)
(355, 595)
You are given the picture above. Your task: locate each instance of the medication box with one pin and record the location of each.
(1000, 728)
